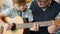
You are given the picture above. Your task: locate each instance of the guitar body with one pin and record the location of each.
(20, 21)
(17, 20)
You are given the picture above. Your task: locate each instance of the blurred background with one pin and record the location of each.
(4, 4)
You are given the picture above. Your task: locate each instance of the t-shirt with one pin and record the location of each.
(12, 12)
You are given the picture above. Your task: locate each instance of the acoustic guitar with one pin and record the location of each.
(20, 25)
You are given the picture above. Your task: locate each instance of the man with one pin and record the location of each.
(44, 10)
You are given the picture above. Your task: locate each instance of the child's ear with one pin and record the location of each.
(28, 1)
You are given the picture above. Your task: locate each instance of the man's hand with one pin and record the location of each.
(35, 27)
(52, 29)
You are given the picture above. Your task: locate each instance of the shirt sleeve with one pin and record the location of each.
(58, 28)
(6, 12)
(30, 18)
(58, 16)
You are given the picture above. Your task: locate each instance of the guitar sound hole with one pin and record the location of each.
(13, 27)
(25, 20)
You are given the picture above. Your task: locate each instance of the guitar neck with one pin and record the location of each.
(29, 25)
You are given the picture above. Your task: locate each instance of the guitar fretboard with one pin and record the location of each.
(29, 25)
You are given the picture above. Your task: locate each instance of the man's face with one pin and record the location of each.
(20, 7)
(43, 3)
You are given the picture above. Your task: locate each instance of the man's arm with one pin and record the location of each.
(52, 29)
(58, 28)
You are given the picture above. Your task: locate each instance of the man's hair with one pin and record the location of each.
(19, 1)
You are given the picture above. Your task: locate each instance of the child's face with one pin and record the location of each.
(20, 7)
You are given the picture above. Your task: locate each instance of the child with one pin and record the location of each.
(19, 9)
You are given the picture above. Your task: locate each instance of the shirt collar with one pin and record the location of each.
(48, 6)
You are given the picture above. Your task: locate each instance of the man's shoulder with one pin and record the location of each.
(34, 5)
(56, 3)
(34, 2)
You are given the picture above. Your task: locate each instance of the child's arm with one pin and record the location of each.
(5, 13)
(2, 14)
(6, 26)
(35, 26)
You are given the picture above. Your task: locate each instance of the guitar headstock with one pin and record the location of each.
(57, 22)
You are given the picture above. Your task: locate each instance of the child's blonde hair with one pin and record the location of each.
(19, 1)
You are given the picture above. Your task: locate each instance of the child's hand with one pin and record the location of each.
(35, 27)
